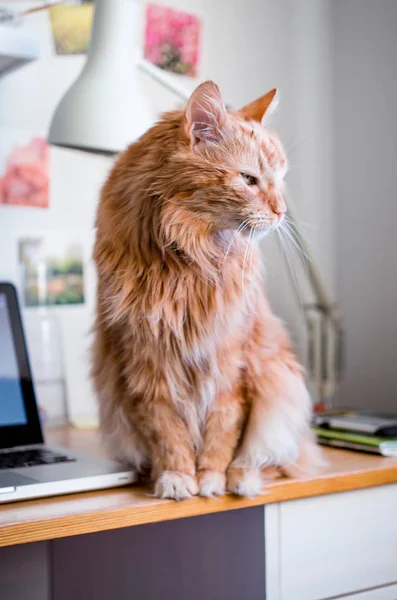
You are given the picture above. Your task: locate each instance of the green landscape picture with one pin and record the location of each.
(51, 276)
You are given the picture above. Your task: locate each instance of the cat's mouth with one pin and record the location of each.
(261, 226)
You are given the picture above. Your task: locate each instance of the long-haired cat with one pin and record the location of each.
(195, 376)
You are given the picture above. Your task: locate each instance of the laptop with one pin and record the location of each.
(28, 467)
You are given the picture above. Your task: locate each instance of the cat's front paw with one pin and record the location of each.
(244, 482)
(175, 485)
(211, 483)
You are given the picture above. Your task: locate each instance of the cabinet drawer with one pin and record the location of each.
(338, 544)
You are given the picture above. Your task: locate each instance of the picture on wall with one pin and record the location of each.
(52, 269)
(172, 39)
(71, 26)
(24, 169)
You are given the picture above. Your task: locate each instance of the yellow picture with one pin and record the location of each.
(71, 27)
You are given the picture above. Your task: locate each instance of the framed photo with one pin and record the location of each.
(24, 169)
(71, 26)
(172, 39)
(52, 269)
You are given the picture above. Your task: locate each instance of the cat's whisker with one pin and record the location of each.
(254, 248)
(289, 260)
(290, 232)
(251, 258)
(239, 229)
(251, 253)
(298, 249)
(286, 258)
(305, 224)
(309, 243)
(247, 247)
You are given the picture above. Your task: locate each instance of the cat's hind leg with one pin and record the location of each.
(122, 440)
(120, 437)
(277, 433)
(278, 429)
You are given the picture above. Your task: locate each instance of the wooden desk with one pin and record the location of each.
(74, 515)
(57, 517)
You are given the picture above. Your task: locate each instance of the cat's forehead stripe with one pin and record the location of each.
(258, 141)
(270, 153)
(274, 153)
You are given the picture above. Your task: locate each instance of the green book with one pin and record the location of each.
(385, 446)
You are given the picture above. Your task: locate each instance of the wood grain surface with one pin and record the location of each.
(76, 514)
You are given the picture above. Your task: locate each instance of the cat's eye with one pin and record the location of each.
(249, 179)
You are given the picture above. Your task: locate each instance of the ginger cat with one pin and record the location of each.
(195, 376)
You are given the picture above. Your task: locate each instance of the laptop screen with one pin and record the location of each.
(12, 406)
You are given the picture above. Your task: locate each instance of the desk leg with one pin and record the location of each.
(213, 557)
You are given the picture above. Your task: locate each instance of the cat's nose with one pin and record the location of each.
(279, 207)
(277, 203)
(280, 211)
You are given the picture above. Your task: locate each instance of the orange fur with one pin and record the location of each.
(195, 376)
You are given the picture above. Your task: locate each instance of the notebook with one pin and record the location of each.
(358, 421)
(355, 441)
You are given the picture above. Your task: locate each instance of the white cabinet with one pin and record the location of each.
(332, 546)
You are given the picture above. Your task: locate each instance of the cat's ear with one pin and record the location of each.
(205, 113)
(259, 110)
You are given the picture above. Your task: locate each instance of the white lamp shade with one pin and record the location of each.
(105, 109)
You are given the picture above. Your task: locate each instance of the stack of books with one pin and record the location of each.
(357, 430)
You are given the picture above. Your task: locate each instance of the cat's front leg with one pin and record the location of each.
(222, 431)
(171, 448)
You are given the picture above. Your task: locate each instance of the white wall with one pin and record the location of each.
(249, 47)
(365, 48)
(27, 100)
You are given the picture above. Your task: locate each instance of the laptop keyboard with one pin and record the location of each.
(31, 458)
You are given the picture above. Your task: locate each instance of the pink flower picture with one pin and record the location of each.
(172, 39)
(24, 173)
